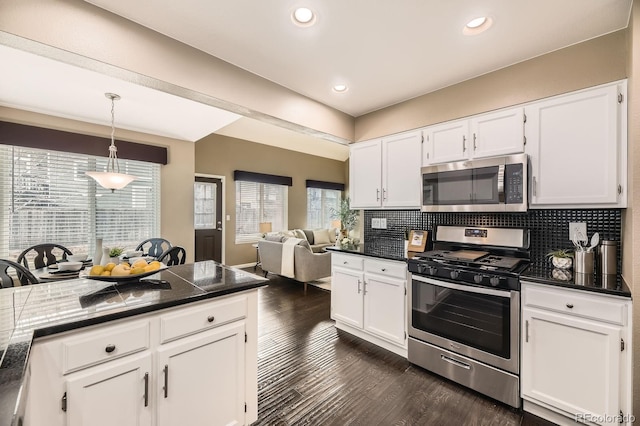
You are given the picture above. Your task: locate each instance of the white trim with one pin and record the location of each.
(224, 211)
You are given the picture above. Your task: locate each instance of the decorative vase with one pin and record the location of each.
(562, 262)
(105, 256)
(115, 260)
(97, 255)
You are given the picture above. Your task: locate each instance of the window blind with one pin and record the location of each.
(46, 197)
(320, 203)
(259, 202)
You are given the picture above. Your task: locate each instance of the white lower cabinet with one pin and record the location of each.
(190, 365)
(576, 358)
(368, 299)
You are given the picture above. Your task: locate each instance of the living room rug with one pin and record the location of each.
(324, 283)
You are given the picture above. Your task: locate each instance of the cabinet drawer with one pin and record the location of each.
(204, 317)
(576, 303)
(95, 347)
(388, 269)
(345, 261)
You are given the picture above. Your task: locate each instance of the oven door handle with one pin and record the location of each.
(467, 288)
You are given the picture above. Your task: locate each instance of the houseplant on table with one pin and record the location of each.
(348, 221)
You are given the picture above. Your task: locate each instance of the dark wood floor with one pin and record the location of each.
(310, 373)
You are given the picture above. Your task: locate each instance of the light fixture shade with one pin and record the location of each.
(336, 223)
(110, 180)
(265, 227)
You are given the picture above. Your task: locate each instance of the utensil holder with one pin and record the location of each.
(583, 262)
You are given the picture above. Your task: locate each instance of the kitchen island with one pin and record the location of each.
(164, 306)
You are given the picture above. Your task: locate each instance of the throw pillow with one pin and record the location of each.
(288, 233)
(321, 236)
(298, 233)
(309, 234)
(274, 237)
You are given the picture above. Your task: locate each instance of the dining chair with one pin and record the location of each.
(154, 246)
(45, 255)
(24, 276)
(176, 255)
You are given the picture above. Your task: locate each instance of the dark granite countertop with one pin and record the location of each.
(365, 250)
(607, 284)
(39, 310)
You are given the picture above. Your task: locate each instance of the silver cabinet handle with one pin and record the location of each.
(358, 286)
(166, 381)
(535, 187)
(474, 142)
(384, 194)
(526, 331)
(146, 389)
(364, 288)
(464, 144)
(377, 194)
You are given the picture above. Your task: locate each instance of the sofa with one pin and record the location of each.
(318, 239)
(307, 265)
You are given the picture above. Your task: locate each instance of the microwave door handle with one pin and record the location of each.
(501, 183)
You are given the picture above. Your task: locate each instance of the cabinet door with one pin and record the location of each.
(401, 175)
(115, 393)
(570, 363)
(346, 296)
(574, 145)
(384, 307)
(365, 174)
(448, 142)
(498, 133)
(201, 379)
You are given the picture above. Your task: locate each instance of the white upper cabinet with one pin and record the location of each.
(385, 173)
(498, 133)
(486, 135)
(446, 142)
(577, 148)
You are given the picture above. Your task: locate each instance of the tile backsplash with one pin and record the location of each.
(549, 228)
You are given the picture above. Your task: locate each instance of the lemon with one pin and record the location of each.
(106, 273)
(139, 263)
(137, 270)
(96, 270)
(152, 267)
(120, 270)
(109, 266)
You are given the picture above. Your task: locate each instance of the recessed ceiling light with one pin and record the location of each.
(303, 16)
(477, 25)
(340, 88)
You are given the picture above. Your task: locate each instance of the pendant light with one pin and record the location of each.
(112, 178)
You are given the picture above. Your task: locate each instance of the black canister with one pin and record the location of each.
(608, 257)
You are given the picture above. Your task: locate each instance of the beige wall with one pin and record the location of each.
(77, 32)
(583, 65)
(221, 155)
(631, 218)
(176, 211)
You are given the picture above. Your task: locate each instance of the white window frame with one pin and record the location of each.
(251, 238)
(326, 221)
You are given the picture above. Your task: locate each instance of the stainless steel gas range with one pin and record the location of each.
(464, 308)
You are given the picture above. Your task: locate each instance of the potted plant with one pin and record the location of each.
(114, 254)
(561, 258)
(348, 221)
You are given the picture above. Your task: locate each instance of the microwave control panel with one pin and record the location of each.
(514, 183)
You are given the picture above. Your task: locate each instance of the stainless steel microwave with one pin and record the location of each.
(497, 184)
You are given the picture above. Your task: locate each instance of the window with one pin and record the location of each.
(319, 204)
(46, 197)
(258, 202)
(205, 205)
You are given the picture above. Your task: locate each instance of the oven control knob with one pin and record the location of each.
(494, 281)
(454, 274)
(432, 270)
(478, 278)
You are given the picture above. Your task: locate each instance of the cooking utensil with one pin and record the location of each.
(595, 239)
(574, 240)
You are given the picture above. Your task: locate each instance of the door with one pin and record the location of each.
(346, 296)
(570, 363)
(201, 379)
(115, 393)
(208, 218)
(384, 307)
(401, 170)
(365, 174)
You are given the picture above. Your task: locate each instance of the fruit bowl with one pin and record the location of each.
(125, 278)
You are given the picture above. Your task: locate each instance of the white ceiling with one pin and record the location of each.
(386, 52)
